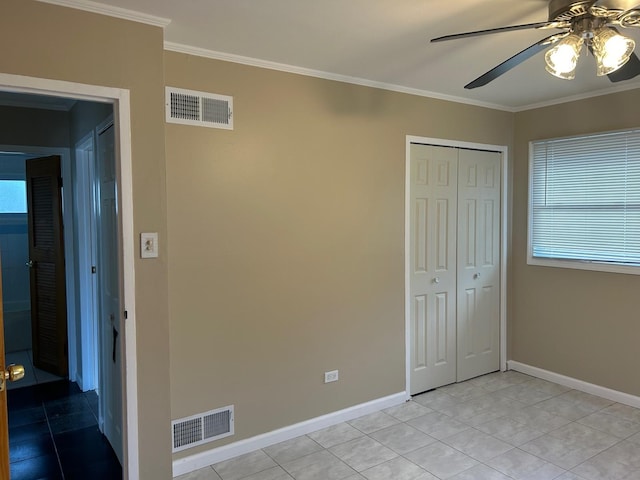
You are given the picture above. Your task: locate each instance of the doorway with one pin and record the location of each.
(41, 341)
(455, 261)
(54, 251)
(124, 240)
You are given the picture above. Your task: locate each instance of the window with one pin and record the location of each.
(584, 202)
(13, 196)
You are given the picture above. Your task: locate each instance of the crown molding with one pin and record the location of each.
(126, 14)
(123, 13)
(256, 62)
(575, 98)
(282, 67)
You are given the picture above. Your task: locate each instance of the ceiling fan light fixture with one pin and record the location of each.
(611, 50)
(562, 59)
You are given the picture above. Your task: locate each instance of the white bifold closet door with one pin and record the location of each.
(455, 265)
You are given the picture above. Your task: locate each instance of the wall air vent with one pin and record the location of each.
(202, 428)
(189, 107)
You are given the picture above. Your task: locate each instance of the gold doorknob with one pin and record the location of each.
(12, 373)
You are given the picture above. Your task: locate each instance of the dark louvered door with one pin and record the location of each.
(46, 254)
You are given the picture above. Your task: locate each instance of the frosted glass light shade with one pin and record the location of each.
(611, 50)
(562, 59)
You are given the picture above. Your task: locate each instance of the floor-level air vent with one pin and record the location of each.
(203, 428)
(199, 108)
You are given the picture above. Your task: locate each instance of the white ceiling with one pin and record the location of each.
(378, 42)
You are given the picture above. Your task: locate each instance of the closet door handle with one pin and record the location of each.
(476, 276)
(436, 280)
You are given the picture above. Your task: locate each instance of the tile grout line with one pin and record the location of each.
(53, 440)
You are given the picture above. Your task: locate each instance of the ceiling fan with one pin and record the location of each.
(591, 23)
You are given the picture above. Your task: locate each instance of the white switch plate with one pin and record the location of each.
(331, 376)
(149, 245)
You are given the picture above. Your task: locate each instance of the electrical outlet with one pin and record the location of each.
(331, 376)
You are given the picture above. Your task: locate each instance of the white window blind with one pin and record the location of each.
(585, 198)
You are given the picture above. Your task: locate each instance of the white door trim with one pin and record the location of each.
(407, 241)
(85, 151)
(122, 115)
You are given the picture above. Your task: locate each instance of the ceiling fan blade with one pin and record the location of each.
(628, 71)
(512, 62)
(491, 30)
(525, 26)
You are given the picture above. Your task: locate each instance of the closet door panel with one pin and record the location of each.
(433, 266)
(478, 264)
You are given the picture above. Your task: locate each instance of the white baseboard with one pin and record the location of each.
(220, 454)
(604, 392)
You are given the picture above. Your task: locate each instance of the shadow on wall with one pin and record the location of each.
(354, 100)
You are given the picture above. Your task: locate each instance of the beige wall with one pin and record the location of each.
(283, 240)
(578, 323)
(287, 241)
(43, 40)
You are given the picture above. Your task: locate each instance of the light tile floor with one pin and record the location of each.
(502, 426)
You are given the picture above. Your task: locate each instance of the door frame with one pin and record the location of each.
(86, 258)
(503, 150)
(120, 98)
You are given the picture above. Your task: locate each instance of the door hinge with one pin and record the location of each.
(93, 269)
(125, 315)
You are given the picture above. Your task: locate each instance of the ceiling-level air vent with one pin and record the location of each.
(202, 428)
(189, 107)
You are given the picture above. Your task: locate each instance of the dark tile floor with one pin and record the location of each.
(54, 435)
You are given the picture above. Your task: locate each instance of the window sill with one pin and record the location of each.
(584, 265)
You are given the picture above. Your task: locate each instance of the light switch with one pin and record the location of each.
(149, 245)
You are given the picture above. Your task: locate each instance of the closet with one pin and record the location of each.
(454, 259)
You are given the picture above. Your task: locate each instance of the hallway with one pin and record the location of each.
(53, 434)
